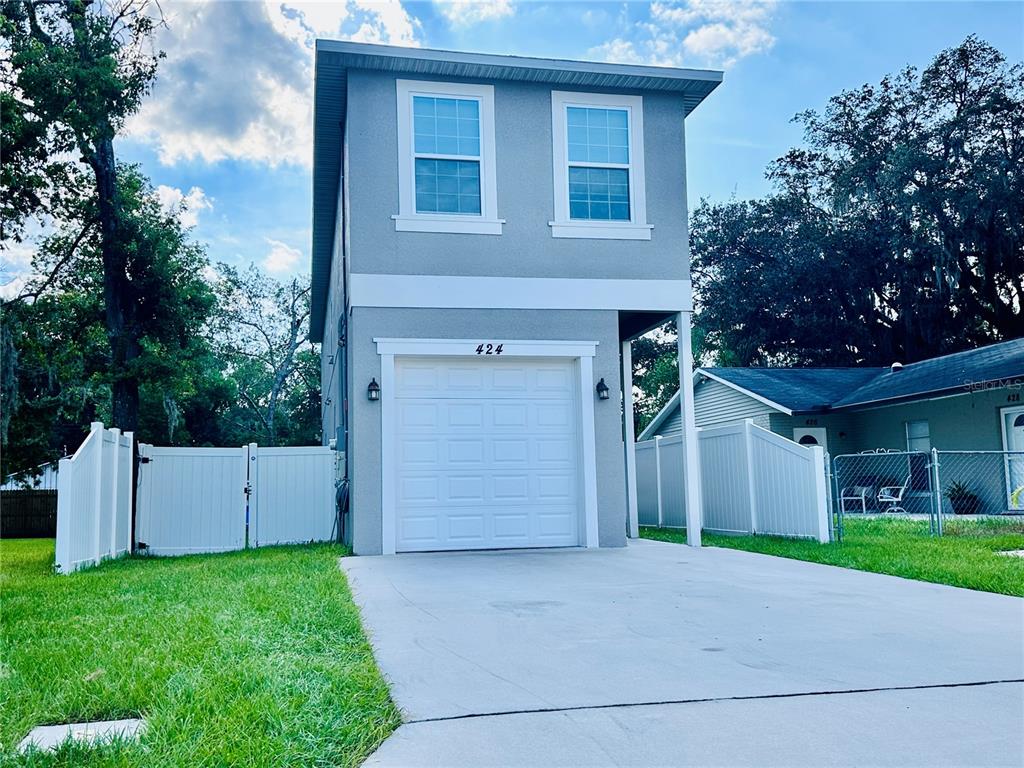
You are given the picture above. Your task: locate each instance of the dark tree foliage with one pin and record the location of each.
(896, 232)
(59, 357)
(74, 71)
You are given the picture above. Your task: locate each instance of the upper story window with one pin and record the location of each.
(446, 180)
(597, 151)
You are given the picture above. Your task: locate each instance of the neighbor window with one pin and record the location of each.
(446, 158)
(918, 438)
(598, 166)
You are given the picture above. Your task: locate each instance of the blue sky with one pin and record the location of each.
(228, 124)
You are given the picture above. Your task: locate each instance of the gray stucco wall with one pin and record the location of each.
(525, 195)
(365, 439)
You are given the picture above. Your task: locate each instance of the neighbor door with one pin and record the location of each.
(1013, 443)
(811, 436)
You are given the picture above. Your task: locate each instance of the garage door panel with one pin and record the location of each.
(421, 530)
(509, 415)
(557, 524)
(554, 415)
(506, 451)
(466, 451)
(417, 414)
(487, 454)
(466, 528)
(512, 488)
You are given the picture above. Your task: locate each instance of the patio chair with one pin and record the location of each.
(892, 495)
(858, 494)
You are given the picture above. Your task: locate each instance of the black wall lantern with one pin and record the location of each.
(373, 390)
(602, 390)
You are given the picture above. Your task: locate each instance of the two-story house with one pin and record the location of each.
(489, 233)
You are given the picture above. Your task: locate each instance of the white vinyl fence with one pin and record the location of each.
(189, 500)
(752, 482)
(660, 483)
(94, 499)
(207, 499)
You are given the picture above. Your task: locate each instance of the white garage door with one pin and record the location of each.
(487, 454)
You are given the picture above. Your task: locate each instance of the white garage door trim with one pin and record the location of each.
(581, 351)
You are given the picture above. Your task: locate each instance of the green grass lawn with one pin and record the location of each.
(252, 658)
(965, 557)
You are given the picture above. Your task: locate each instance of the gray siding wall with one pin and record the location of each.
(715, 404)
(365, 438)
(968, 422)
(525, 195)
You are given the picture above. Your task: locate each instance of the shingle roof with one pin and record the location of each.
(798, 389)
(820, 389)
(334, 58)
(942, 375)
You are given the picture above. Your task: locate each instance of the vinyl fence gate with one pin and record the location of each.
(193, 500)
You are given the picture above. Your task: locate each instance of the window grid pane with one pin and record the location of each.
(599, 194)
(448, 186)
(598, 135)
(444, 126)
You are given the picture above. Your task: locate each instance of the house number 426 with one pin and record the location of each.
(489, 349)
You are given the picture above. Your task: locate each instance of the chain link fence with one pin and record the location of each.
(933, 486)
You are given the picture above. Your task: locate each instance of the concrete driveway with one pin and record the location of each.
(658, 654)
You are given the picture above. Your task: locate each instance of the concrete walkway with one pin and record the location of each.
(658, 654)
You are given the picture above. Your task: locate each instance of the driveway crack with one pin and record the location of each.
(712, 699)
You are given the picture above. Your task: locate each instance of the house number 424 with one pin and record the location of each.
(489, 349)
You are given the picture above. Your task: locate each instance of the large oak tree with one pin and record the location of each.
(895, 233)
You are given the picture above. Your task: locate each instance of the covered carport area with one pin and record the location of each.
(632, 325)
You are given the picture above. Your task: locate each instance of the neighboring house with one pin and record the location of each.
(489, 233)
(41, 478)
(968, 401)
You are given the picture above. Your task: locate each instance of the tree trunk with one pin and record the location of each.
(118, 294)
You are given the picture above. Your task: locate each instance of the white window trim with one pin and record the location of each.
(582, 351)
(637, 227)
(407, 219)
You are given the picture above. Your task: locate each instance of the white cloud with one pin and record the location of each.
(15, 267)
(282, 258)
(466, 13)
(186, 206)
(694, 32)
(237, 82)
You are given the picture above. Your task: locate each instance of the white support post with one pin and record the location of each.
(250, 455)
(820, 493)
(97, 499)
(586, 372)
(114, 489)
(748, 440)
(937, 491)
(657, 477)
(62, 555)
(131, 489)
(387, 455)
(629, 441)
(691, 454)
